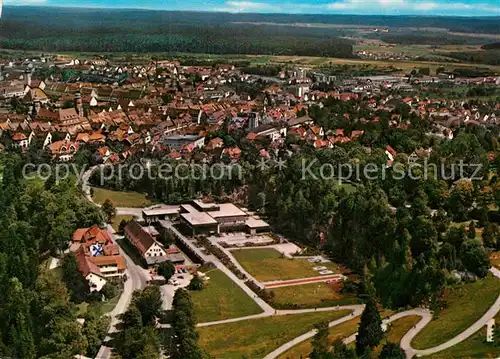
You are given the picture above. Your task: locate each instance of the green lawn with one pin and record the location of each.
(311, 295)
(115, 223)
(473, 347)
(100, 307)
(400, 327)
(222, 299)
(466, 304)
(341, 331)
(257, 337)
(267, 264)
(121, 199)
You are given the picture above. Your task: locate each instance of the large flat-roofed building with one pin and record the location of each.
(158, 213)
(202, 217)
(181, 141)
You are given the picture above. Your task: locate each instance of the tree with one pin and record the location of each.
(184, 326)
(108, 209)
(475, 258)
(370, 328)
(491, 234)
(122, 225)
(149, 303)
(392, 351)
(320, 342)
(471, 231)
(166, 269)
(77, 285)
(197, 283)
(109, 290)
(341, 351)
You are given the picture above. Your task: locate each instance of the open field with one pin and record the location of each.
(338, 332)
(115, 223)
(311, 296)
(473, 347)
(400, 327)
(267, 264)
(120, 199)
(257, 337)
(222, 299)
(466, 304)
(403, 65)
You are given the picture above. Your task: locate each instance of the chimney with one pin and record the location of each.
(78, 103)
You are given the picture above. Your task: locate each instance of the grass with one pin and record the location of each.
(479, 231)
(115, 223)
(267, 265)
(473, 347)
(311, 295)
(341, 331)
(120, 199)
(257, 337)
(466, 304)
(400, 327)
(222, 299)
(100, 307)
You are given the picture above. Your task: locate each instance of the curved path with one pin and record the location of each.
(405, 344)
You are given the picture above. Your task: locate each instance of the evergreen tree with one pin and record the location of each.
(197, 283)
(166, 269)
(471, 231)
(184, 328)
(77, 285)
(320, 342)
(109, 210)
(392, 351)
(370, 328)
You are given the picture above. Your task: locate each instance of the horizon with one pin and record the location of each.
(438, 8)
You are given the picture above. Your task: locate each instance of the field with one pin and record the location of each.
(257, 337)
(473, 347)
(338, 332)
(222, 299)
(465, 306)
(267, 264)
(311, 295)
(115, 223)
(99, 307)
(400, 327)
(120, 199)
(344, 330)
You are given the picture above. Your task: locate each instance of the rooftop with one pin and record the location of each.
(196, 218)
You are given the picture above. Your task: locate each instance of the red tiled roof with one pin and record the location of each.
(141, 239)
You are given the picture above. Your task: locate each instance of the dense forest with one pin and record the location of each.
(147, 31)
(97, 30)
(37, 310)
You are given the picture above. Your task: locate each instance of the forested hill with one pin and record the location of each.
(71, 29)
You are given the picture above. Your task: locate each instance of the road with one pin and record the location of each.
(211, 258)
(138, 278)
(405, 344)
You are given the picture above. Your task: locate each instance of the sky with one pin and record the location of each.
(362, 7)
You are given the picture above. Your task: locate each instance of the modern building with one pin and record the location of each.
(159, 213)
(202, 217)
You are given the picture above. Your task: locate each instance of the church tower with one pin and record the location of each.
(78, 103)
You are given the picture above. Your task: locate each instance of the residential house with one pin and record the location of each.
(143, 239)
